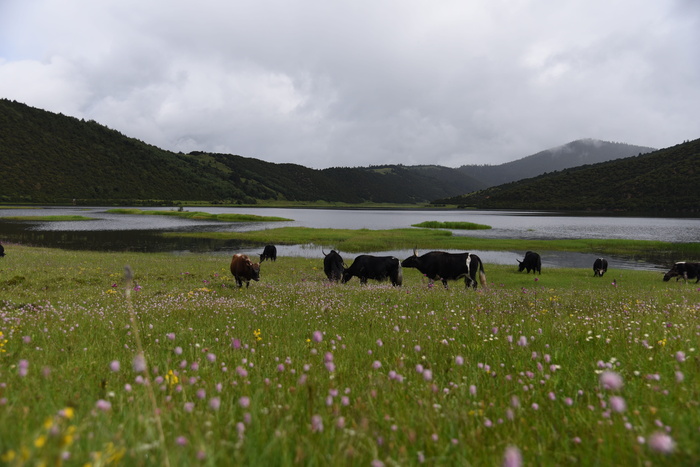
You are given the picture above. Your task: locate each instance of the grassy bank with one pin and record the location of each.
(197, 215)
(365, 240)
(294, 370)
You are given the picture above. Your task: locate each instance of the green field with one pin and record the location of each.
(297, 371)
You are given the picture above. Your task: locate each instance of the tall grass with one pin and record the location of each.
(294, 370)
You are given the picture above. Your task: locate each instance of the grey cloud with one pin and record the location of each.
(358, 83)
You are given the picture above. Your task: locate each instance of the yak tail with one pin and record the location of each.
(482, 274)
(399, 275)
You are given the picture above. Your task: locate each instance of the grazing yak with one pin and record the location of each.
(243, 269)
(2, 250)
(600, 267)
(443, 266)
(378, 268)
(531, 261)
(269, 252)
(333, 265)
(685, 270)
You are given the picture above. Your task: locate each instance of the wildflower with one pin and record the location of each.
(377, 364)
(257, 333)
(23, 368)
(661, 442)
(40, 441)
(522, 341)
(459, 360)
(611, 380)
(103, 405)
(139, 363)
(317, 336)
(67, 413)
(617, 404)
(316, 423)
(236, 343)
(214, 403)
(244, 402)
(189, 407)
(181, 441)
(512, 457)
(171, 336)
(114, 365)
(680, 356)
(172, 378)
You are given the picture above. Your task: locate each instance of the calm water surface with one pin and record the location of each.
(120, 232)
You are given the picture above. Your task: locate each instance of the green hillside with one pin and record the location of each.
(53, 158)
(661, 181)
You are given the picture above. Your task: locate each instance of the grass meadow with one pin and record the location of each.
(171, 364)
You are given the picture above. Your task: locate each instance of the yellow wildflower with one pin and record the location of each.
(68, 412)
(40, 441)
(68, 437)
(172, 378)
(9, 456)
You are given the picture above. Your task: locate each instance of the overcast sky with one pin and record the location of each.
(327, 83)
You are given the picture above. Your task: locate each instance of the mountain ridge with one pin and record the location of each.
(53, 158)
(661, 181)
(569, 155)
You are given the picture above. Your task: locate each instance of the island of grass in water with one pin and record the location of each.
(452, 225)
(197, 215)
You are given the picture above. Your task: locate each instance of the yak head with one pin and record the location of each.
(411, 261)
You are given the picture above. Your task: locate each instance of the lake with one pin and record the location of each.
(121, 232)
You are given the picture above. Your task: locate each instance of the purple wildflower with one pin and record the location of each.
(661, 442)
(512, 457)
(611, 380)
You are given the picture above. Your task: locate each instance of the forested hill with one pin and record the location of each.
(48, 157)
(661, 181)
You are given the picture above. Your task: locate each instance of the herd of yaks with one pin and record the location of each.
(435, 265)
